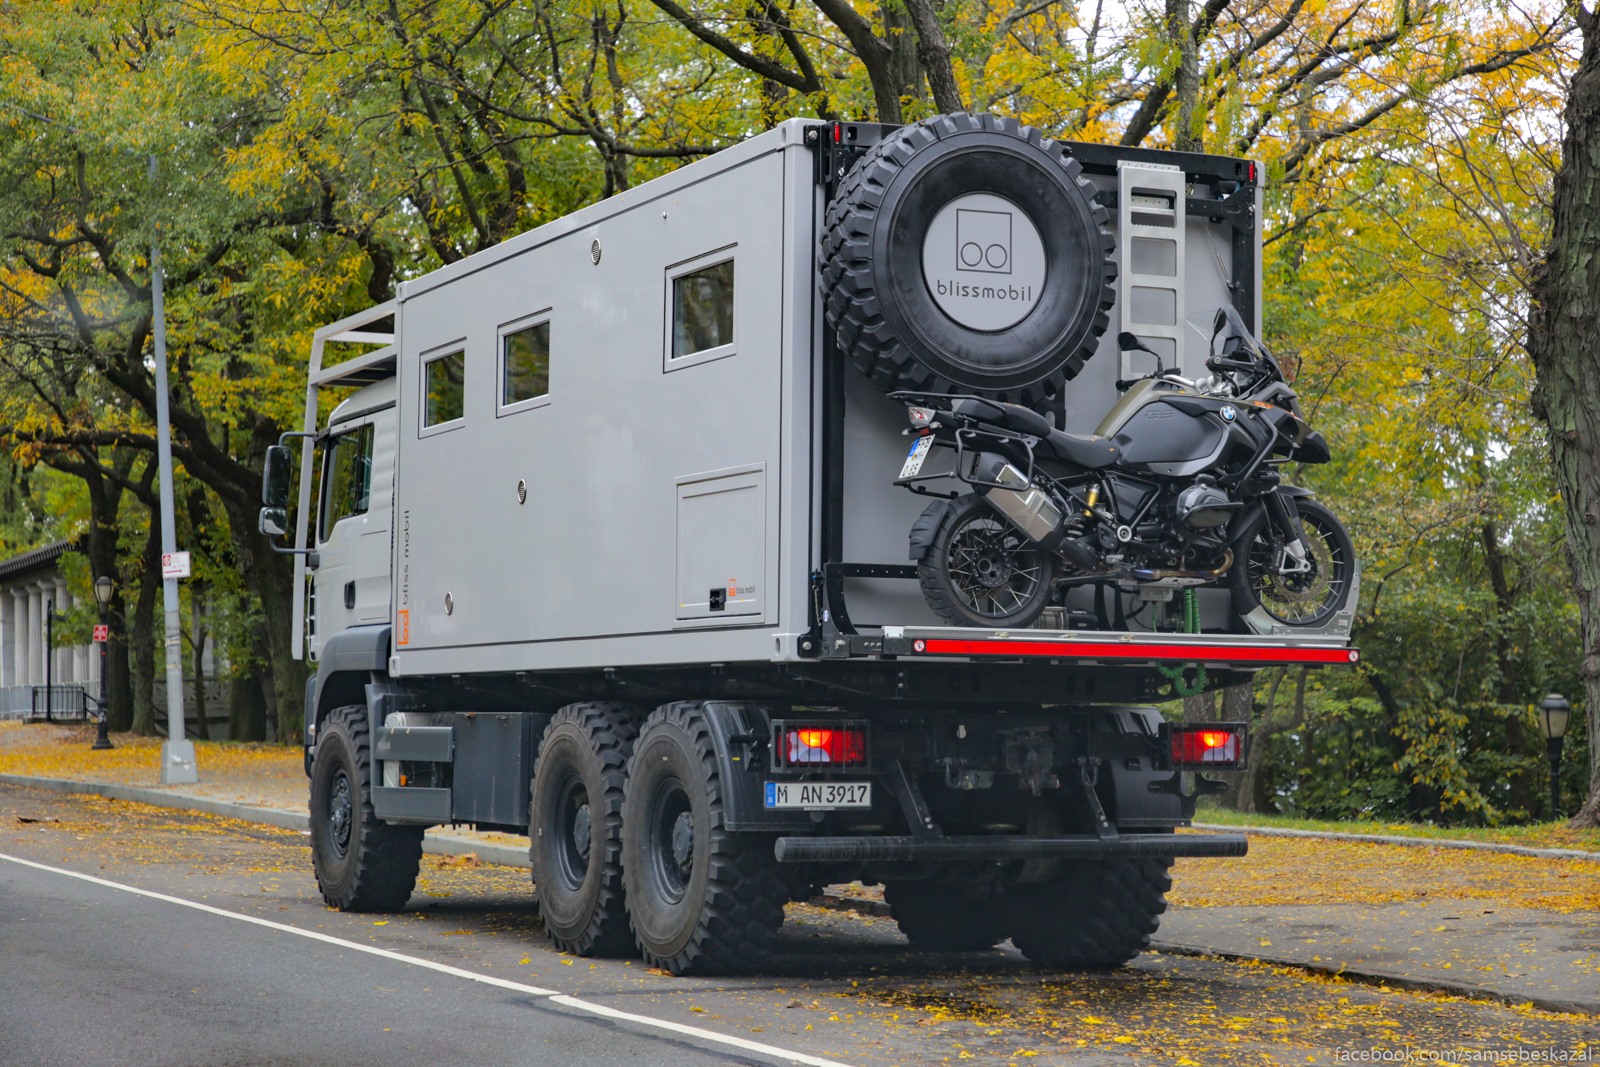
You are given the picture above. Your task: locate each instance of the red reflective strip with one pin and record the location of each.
(939, 646)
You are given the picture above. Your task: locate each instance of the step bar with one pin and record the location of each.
(1006, 847)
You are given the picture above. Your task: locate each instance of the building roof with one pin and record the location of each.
(33, 560)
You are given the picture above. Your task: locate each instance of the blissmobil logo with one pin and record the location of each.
(983, 262)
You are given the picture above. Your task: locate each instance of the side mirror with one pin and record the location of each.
(274, 522)
(275, 479)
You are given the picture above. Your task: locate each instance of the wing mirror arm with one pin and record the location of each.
(273, 522)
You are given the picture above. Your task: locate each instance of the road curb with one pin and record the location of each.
(1382, 978)
(1409, 842)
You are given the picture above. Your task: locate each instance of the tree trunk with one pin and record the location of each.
(142, 633)
(1563, 322)
(269, 576)
(197, 640)
(1186, 83)
(933, 50)
(247, 710)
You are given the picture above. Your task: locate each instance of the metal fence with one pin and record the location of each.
(59, 703)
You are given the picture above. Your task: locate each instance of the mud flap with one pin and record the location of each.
(926, 528)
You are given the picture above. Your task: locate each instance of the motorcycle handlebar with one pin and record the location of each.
(1223, 363)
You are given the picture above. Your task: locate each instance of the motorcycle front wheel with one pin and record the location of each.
(1293, 597)
(982, 571)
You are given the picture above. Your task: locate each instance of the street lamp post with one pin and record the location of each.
(1554, 716)
(103, 588)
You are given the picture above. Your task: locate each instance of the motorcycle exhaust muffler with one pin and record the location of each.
(1029, 509)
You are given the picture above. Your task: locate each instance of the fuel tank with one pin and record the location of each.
(1168, 430)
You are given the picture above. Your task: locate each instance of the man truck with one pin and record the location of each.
(601, 543)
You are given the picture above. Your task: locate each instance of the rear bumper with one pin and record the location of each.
(1005, 847)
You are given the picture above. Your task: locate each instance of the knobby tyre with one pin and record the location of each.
(881, 240)
(980, 570)
(1096, 916)
(575, 828)
(942, 917)
(702, 900)
(1308, 599)
(361, 862)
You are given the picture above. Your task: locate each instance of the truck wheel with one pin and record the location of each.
(940, 916)
(966, 253)
(703, 900)
(980, 570)
(575, 828)
(1100, 915)
(362, 863)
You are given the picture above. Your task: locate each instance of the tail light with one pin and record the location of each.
(920, 417)
(820, 745)
(1215, 745)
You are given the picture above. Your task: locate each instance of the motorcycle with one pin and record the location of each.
(1180, 486)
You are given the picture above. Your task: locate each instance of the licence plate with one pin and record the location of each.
(819, 796)
(919, 452)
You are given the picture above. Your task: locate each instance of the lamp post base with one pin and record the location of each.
(102, 739)
(177, 763)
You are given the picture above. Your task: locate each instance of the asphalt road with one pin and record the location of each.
(140, 936)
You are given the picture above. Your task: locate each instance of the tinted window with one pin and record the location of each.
(445, 398)
(346, 477)
(702, 309)
(526, 369)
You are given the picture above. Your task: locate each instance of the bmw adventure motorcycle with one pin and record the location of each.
(1180, 486)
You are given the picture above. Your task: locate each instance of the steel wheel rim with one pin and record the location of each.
(341, 812)
(671, 840)
(1300, 599)
(989, 570)
(573, 827)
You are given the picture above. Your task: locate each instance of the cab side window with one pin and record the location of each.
(346, 477)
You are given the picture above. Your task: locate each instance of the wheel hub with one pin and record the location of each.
(582, 831)
(992, 569)
(683, 840)
(340, 813)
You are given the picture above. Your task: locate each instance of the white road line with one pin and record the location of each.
(555, 995)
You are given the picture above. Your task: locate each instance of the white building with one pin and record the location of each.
(31, 588)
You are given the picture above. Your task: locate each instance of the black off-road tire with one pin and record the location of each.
(942, 917)
(1099, 915)
(952, 575)
(881, 307)
(1294, 600)
(362, 863)
(703, 900)
(575, 828)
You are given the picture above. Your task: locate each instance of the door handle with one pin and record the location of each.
(349, 594)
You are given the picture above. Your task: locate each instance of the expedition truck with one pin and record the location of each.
(602, 544)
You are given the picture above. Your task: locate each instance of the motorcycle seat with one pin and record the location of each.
(1083, 450)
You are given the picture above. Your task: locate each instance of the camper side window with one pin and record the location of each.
(702, 310)
(346, 478)
(444, 388)
(524, 363)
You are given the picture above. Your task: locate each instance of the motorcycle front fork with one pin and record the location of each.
(1289, 556)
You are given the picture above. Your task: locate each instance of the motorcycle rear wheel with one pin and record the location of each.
(1308, 599)
(982, 571)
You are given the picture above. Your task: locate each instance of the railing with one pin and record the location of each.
(59, 703)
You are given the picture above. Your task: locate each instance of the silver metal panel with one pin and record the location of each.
(721, 544)
(591, 552)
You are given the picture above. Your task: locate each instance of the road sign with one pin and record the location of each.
(102, 633)
(174, 565)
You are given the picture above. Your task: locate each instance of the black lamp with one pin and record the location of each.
(1555, 714)
(104, 587)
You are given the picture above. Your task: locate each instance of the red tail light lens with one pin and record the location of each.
(1215, 745)
(825, 746)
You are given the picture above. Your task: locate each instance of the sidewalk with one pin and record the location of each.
(1516, 928)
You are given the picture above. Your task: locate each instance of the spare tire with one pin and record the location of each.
(967, 253)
